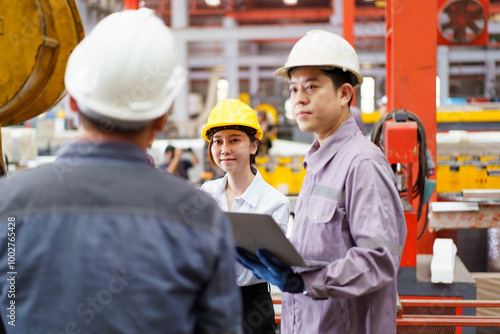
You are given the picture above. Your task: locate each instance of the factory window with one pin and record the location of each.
(368, 95)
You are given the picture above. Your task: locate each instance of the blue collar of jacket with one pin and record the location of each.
(103, 150)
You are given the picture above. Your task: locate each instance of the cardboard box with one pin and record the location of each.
(488, 288)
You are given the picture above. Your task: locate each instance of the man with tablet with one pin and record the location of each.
(348, 213)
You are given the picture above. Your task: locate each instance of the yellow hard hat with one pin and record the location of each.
(232, 113)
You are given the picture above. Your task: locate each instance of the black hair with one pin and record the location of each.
(337, 75)
(108, 126)
(340, 77)
(169, 148)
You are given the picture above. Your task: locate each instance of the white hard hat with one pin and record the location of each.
(126, 70)
(324, 50)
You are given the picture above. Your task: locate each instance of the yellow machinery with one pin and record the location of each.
(36, 39)
(284, 173)
(466, 172)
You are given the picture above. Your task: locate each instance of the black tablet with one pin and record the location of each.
(254, 231)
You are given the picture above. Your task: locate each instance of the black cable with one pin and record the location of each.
(426, 221)
(376, 138)
(419, 185)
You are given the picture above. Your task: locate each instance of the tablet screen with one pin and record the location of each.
(254, 231)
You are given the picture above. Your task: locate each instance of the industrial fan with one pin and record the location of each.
(462, 22)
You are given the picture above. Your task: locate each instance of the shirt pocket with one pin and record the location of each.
(321, 211)
(324, 202)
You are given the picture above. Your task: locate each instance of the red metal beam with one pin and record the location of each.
(444, 320)
(162, 8)
(131, 4)
(494, 8)
(273, 41)
(253, 14)
(449, 303)
(370, 12)
(439, 320)
(280, 14)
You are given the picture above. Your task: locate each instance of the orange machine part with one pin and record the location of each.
(400, 142)
(409, 257)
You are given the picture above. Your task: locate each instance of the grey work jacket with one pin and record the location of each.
(350, 215)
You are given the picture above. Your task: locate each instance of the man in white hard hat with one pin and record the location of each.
(348, 213)
(101, 241)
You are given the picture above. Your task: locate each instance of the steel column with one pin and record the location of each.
(231, 54)
(411, 70)
(181, 18)
(490, 78)
(443, 71)
(180, 21)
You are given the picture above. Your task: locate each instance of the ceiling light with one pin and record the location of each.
(290, 2)
(212, 2)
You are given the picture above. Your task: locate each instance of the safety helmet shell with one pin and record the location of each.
(126, 69)
(232, 112)
(324, 50)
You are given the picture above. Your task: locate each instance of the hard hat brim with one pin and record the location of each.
(284, 72)
(207, 128)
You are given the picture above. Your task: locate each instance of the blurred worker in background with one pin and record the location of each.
(382, 105)
(177, 163)
(234, 134)
(348, 213)
(101, 247)
(269, 132)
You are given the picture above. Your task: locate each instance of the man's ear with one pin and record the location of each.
(72, 103)
(159, 123)
(346, 91)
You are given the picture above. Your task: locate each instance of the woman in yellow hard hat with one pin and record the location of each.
(234, 134)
